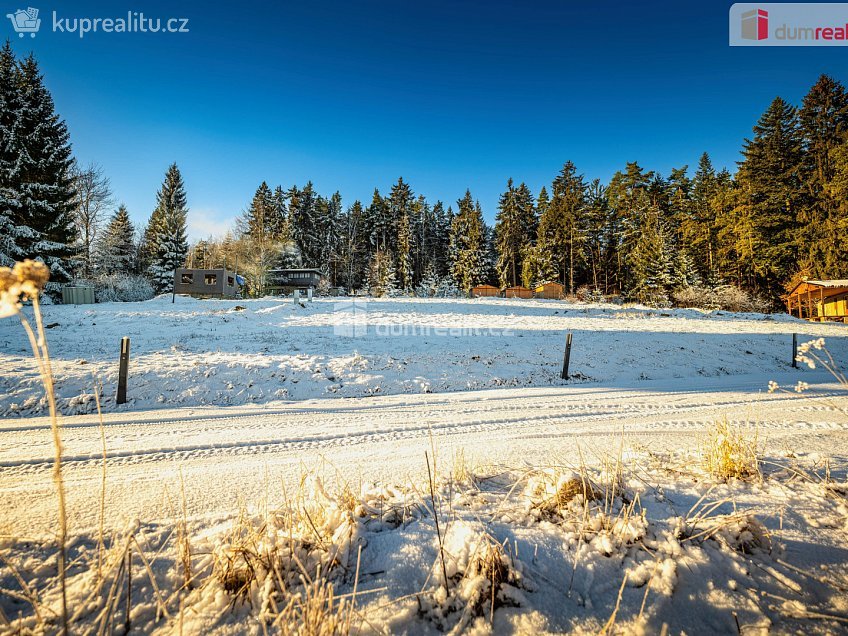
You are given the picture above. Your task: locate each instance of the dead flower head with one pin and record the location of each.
(24, 282)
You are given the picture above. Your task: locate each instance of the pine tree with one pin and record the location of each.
(823, 121)
(167, 231)
(769, 176)
(258, 229)
(509, 237)
(630, 202)
(116, 250)
(468, 244)
(303, 216)
(650, 261)
(404, 254)
(699, 233)
(42, 179)
(13, 235)
(561, 231)
(597, 238)
(430, 282)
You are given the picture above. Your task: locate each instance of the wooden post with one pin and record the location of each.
(794, 350)
(567, 357)
(123, 371)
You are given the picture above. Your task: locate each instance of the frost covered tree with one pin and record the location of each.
(12, 235)
(468, 244)
(116, 248)
(92, 196)
(404, 253)
(167, 231)
(36, 189)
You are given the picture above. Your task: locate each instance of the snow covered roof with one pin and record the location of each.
(837, 286)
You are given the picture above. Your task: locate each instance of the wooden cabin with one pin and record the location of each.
(550, 290)
(485, 291)
(518, 292)
(819, 300)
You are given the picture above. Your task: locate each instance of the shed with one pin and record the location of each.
(550, 290)
(485, 291)
(215, 283)
(518, 292)
(819, 300)
(77, 295)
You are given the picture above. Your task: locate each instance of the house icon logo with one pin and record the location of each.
(755, 25)
(25, 21)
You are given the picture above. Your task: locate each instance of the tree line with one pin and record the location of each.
(645, 236)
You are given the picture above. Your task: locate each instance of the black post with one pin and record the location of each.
(567, 357)
(174, 289)
(123, 371)
(794, 350)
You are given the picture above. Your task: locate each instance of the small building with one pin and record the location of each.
(518, 292)
(203, 283)
(819, 300)
(550, 290)
(485, 291)
(287, 281)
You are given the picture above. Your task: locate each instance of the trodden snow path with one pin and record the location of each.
(230, 456)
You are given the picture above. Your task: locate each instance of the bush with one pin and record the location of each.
(588, 294)
(128, 288)
(696, 297)
(726, 297)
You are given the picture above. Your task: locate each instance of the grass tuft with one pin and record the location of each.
(730, 453)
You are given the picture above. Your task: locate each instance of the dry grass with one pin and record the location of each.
(730, 452)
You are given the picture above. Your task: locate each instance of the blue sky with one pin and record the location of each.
(450, 95)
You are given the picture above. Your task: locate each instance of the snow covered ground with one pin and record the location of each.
(235, 413)
(264, 351)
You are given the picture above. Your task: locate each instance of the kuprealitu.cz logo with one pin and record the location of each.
(27, 22)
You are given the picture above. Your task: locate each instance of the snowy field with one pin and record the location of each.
(236, 413)
(224, 353)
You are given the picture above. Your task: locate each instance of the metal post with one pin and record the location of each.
(174, 288)
(794, 350)
(123, 371)
(567, 357)
(296, 296)
(309, 294)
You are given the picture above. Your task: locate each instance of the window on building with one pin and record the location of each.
(211, 279)
(187, 279)
(230, 281)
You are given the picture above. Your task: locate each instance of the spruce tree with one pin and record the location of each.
(167, 231)
(13, 235)
(115, 251)
(42, 178)
(258, 229)
(597, 239)
(561, 230)
(699, 234)
(468, 244)
(769, 176)
(509, 237)
(404, 254)
(823, 121)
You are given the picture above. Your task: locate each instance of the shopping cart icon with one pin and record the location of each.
(25, 21)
